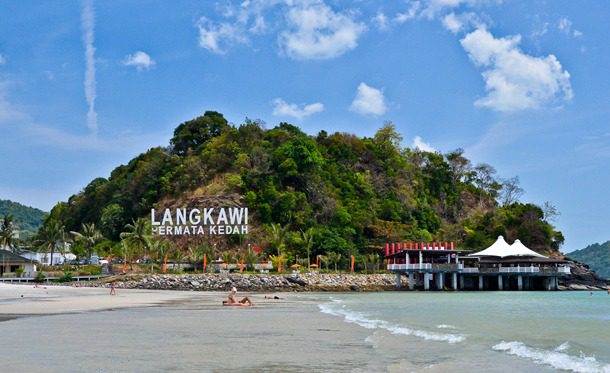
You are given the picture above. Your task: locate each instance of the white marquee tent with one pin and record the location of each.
(502, 249)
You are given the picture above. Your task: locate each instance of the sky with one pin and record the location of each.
(521, 85)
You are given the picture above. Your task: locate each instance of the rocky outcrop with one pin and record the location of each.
(582, 278)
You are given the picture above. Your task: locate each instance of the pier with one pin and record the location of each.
(439, 266)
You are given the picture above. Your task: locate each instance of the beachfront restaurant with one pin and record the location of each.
(499, 267)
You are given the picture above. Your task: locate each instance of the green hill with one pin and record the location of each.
(27, 219)
(596, 256)
(351, 193)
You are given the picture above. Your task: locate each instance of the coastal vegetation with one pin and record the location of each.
(312, 199)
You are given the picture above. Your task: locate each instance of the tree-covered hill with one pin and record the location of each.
(27, 219)
(596, 256)
(335, 192)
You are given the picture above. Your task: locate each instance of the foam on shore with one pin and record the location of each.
(556, 358)
(336, 308)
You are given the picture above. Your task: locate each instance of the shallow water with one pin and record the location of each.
(343, 332)
(492, 331)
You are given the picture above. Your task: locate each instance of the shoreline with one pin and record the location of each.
(302, 282)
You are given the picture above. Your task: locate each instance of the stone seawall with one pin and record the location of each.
(254, 282)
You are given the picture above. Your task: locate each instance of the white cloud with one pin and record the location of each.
(2, 60)
(282, 108)
(514, 80)
(418, 143)
(564, 25)
(432, 8)
(140, 60)
(87, 24)
(461, 22)
(409, 14)
(317, 32)
(368, 100)
(217, 37)
(381, 21)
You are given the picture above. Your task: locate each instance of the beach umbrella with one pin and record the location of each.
(314, 266)
(295, 266)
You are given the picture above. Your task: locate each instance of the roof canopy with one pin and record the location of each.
(502, 249)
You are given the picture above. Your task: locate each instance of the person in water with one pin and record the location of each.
(233, 299)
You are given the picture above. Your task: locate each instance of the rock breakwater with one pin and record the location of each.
(254, 282)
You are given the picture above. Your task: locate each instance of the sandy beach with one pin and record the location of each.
(67, 329)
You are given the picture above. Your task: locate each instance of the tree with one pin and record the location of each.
(227, 257)
(307, 237)
(160, 249)
(7, 233)
(549, 212)
(511, 191)
(137, 236)
(89, 237)
(194, 133)
(112, 220)
(460, 165)
(333, 258)
(251, 258)
(278, 236)
(484, 179)
(195, 254)
(373, 259)
(49, 237)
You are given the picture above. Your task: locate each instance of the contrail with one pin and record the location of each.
(87, 23)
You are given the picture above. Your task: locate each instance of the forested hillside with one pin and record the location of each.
(596, 256)
(327, 193)
(27, 219)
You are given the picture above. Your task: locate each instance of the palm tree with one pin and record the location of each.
(307, 243)
(278, 234)
(250, 259)
(227, 257)
(160, 249)
(89, 237)
(333, 258)
(50, 236)
(324, 260)
(7, 233)
(177, 257)
(137, 236)
(194, 255)
(374, 260)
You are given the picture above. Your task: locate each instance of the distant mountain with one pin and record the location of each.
(27, 219)
(596, 256)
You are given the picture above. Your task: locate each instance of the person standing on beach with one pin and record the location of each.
(112, 288)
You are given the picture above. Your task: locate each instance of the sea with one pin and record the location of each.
(482, 331)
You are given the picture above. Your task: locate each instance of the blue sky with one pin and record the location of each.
(521, 85)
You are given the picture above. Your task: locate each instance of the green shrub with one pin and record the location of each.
(67, 277)
(19, 272)
(40, 277)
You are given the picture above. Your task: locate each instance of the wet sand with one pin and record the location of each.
(63, 329)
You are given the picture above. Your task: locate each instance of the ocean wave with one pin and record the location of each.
(556, 358)
(364, 321)
(445, 326)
